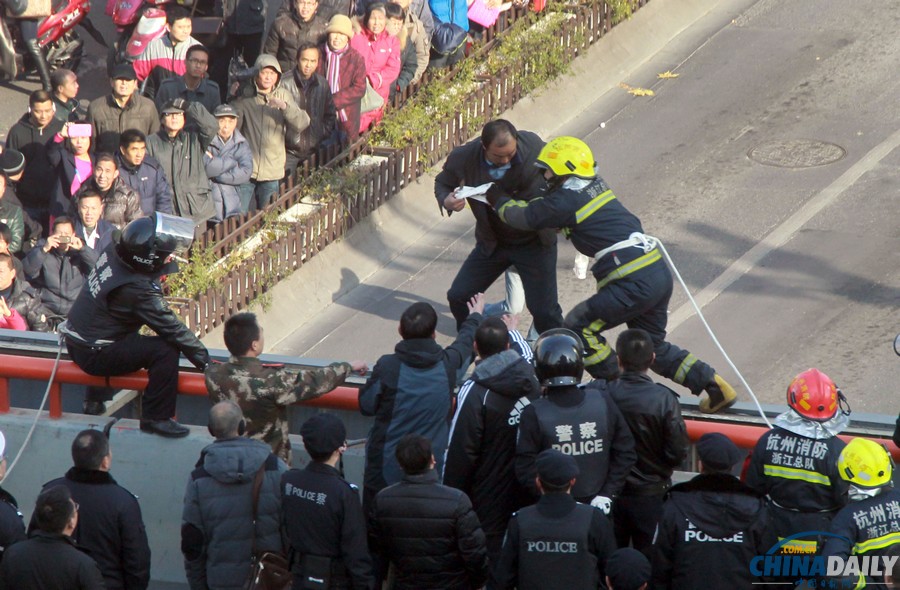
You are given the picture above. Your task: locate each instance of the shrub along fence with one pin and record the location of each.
(237, 262)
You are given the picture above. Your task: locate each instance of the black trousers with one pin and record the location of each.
(537, 268)
(127, 356)
(248, 46)
(635, 519)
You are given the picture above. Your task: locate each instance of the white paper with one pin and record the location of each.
(474, 192)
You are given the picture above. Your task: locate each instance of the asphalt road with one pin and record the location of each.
(794, 255)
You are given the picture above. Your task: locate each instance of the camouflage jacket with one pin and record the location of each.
(264, 393)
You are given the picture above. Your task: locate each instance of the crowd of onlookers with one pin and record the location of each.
(183, 131)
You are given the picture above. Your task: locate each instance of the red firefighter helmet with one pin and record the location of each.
(813, 395)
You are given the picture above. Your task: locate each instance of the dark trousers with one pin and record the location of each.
(635, 519)
(537, 268)
(248, 46)
(640, 300)
(127, 356)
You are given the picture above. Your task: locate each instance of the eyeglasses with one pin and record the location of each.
(307, 2)
(197, 62)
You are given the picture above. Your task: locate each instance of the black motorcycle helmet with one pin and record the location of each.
(558, 358)
(147, 242)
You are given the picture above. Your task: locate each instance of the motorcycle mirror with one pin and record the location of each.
(897, 345)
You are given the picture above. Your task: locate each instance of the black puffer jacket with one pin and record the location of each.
(431, 535)
(59, 274)
(482, 449)
(26, 300)
(660, 436)
(110, 528)
(12, 528)
(288, 32)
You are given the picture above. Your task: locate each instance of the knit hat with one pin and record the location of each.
(340, 23)
(627, 569)
(718, 452)
(11, 162)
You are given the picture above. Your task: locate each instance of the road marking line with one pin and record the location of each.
(781, 234)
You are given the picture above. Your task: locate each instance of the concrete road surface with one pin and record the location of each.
(767, 168)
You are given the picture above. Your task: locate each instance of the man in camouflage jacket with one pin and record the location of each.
(264, 392)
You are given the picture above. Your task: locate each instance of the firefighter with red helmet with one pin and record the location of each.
(795, 463)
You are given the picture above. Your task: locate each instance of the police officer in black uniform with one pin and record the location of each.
(557, 543)
(322, 514)
(12, 527)
(634, 284)
(582, 422)
(121, 295)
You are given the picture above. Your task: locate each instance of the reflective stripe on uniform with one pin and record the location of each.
(798, 474)
(511, 203)
(876, 543)
(633, 266)
(684, 368)
(799, 546)
(602, 350)
(593, 205)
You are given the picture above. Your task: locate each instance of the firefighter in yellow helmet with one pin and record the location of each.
(634, 284)
(868, 528)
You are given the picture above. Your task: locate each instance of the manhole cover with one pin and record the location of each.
(796, 153)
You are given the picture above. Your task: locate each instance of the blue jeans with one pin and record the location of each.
(263, 193)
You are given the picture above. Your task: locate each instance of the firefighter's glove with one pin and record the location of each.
(602, 503)
(494, 194)
(579, 317)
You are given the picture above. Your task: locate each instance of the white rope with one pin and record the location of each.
(37, 414)
(648, 243)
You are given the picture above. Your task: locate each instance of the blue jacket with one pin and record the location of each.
(229, 166)
(149, 180)
(411, 391)
(443, 10)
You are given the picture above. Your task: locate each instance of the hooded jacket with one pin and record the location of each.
(411, 391)
(110, 527)
(228, 166)
(121, 203)
(266, 128)
(713, 520)
(482, 448)
(654, 417)
(150, 182)
(58, 274)
(217, 522)
(289, 31)
(37, 184)
(181, 157)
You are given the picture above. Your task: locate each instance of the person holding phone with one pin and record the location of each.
(59, 266)
(69, 154)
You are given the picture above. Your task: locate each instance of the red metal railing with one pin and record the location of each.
(343, 398)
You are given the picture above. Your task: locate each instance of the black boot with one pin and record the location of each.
(40, 64)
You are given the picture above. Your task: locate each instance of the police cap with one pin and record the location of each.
(627, 569)
(718, 452)
(556, 468)
(323, 434)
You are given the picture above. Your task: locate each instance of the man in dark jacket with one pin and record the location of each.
(90, 227)
(428, 531)
(503, 155)
(326, 538)
(653, 415)
(312, 94)
(217, 528)
(302, 24)
(49, 559)
(58, 266)
(30, 135)
(482, 447)
(121, 203)
(713, 520)
(411, 391)
(583, 423)
(18, 295)
(143, 173)
(557, 544)
(12, 216)
(12, 527)
(123, 109)
(193, 85)
(110, 528)
(180, 152)
(122, 294)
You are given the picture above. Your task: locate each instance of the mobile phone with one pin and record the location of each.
(64, 239)
(80, 130)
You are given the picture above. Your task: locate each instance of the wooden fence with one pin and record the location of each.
(286, 251)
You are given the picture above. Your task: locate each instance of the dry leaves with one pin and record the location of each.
(636, 91)
(667, 75)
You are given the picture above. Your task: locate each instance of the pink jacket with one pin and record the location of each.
(382, 56)
(13, 322)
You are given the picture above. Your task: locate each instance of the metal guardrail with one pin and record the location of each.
(286, 253)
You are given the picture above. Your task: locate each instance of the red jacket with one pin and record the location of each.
(351, 87)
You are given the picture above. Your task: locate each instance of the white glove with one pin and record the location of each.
(602, 503)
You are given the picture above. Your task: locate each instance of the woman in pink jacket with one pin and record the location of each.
(381, 52)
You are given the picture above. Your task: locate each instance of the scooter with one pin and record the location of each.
(57, 38)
